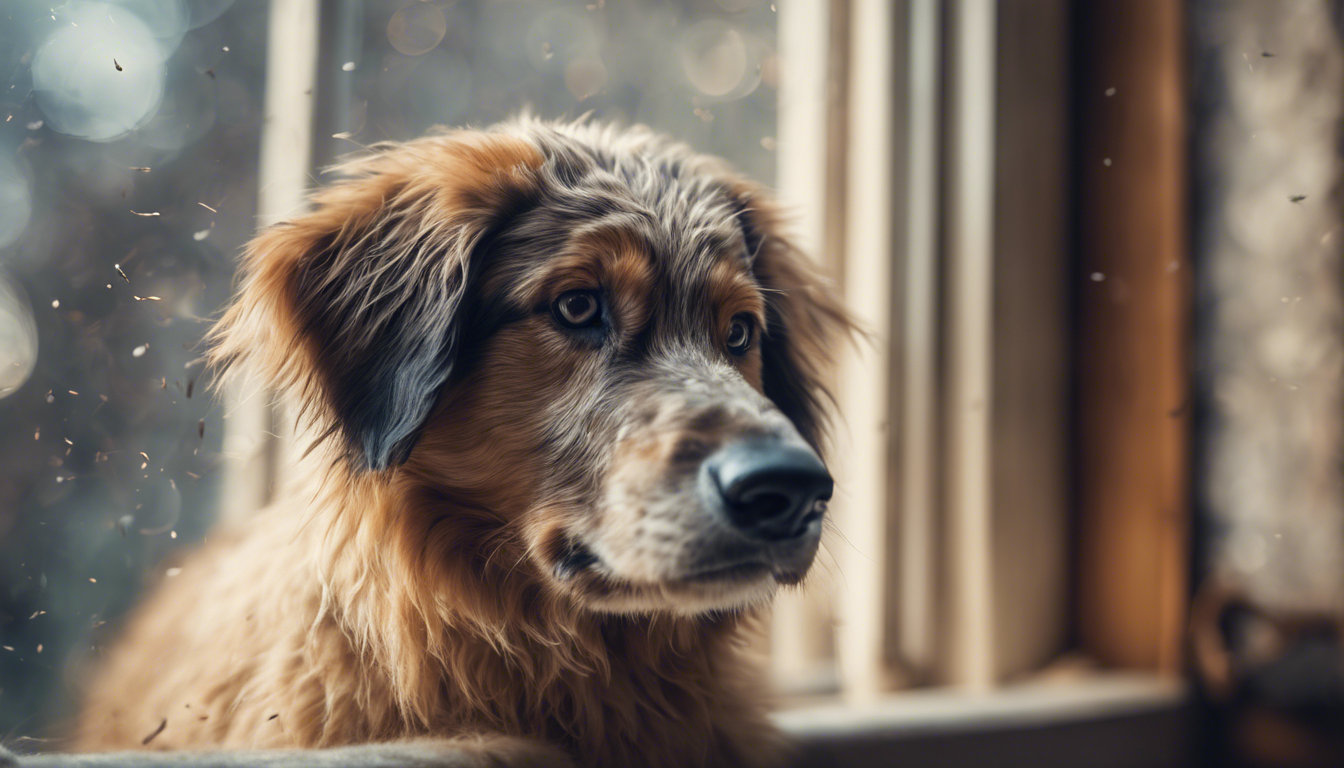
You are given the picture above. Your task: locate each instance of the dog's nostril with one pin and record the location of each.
(765, 505)
(769, 489)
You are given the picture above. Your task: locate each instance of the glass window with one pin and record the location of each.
(129, 144)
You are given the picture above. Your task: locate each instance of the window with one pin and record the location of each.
(125, 198)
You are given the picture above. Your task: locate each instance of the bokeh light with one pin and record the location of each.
(205, 11)
(715, 57)
(417, 29)
(100, 74)
(585, 77)
(167, 21)
(18, 337)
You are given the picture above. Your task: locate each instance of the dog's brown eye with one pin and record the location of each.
(578, 309)
(739, 335)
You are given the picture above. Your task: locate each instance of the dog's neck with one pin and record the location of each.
(479, 641)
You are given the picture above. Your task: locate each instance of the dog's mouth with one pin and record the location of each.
(784, 565)
(728, 572)
(575, 558)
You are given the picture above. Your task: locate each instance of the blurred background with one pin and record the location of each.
(1091, 496)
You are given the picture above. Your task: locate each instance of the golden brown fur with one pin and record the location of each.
(429, 596)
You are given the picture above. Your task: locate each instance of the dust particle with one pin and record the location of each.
(156, 732)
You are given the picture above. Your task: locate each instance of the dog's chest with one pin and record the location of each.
(643, 704)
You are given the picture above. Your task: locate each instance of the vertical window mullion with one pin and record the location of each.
(254, 441)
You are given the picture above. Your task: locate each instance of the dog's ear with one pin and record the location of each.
(353, 309)
(805, 319)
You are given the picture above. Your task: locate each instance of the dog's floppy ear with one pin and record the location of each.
(353, 309)
(805, 320)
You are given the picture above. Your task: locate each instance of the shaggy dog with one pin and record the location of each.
(564, 382)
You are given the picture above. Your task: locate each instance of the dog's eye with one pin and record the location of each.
(739, 335)
(578, 309)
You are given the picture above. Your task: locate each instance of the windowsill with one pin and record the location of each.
(1012, 706)
(1096, 720)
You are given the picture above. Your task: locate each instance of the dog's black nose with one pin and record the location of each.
(770, 490)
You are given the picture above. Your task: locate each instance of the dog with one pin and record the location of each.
(565, 385)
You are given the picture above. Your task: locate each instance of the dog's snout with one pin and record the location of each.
(770, 489)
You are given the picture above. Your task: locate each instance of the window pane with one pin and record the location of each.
(703, 72)
(128, 156)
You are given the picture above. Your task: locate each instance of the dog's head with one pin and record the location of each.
(594, 343)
